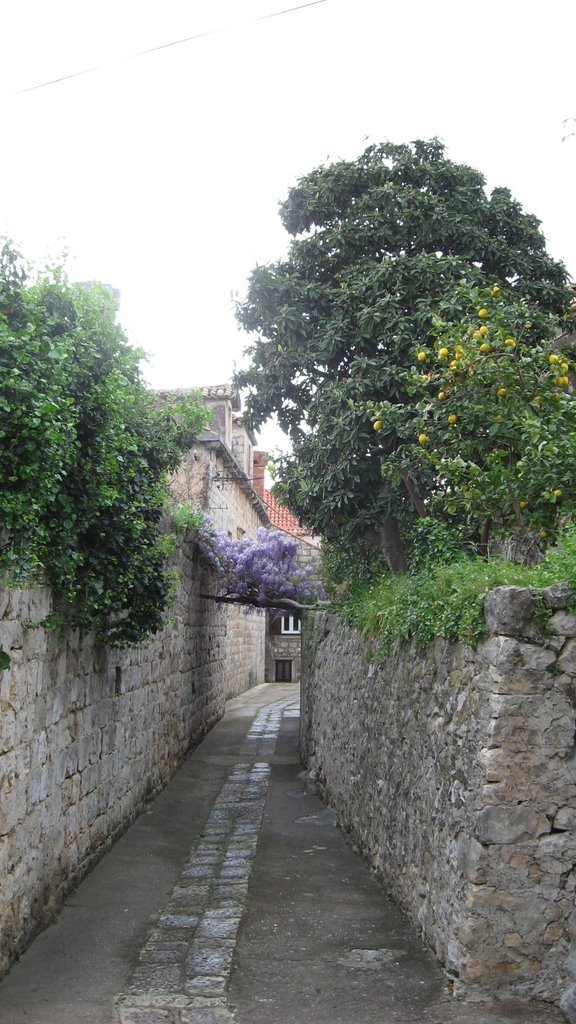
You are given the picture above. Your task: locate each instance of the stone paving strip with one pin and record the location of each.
(184, 966)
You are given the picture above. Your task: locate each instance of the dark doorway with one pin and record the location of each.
(283, 671)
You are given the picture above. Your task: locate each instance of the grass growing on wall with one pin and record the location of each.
(446, 598)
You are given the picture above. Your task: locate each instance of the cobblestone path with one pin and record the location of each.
(185, 963)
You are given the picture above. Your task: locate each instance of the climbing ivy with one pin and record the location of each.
(85, 452)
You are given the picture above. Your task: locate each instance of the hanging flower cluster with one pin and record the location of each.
(262, 573)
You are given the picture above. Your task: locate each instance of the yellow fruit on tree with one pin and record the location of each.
(522, 503)
(542, 534)
(422, 438)
(564, 367)
(558, 492)
(501, 392)
(497, 418)
(443, 353)
(496, 291)
(510, 343)
(483, 313)
(484, 347)
(476, 335)
(421, 357)
(378, 425)
(483, 331)
(452, 418)
(458, 352)
(553, 358)
(441, 396)
(453, 365)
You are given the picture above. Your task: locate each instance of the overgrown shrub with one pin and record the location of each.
(84, 455)
(445, 599)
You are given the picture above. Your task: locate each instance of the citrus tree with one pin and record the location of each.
(379, 246)
(487, 442)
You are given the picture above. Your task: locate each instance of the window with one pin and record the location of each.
(283, 671)
(291, 624)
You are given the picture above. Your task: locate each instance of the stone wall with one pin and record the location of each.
(87, 735)
(455, 771)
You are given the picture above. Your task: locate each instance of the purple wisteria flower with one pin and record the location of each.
(258, 571)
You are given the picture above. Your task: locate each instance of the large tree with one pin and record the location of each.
(380, 247)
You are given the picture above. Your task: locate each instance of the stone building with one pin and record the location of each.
(284, 632)
(217, 477)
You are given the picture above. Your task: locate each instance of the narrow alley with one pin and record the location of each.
(235, 899)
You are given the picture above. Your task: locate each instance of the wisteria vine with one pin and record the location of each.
(260, 573)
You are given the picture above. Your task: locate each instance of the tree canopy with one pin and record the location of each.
(380, 248)
(84, 455)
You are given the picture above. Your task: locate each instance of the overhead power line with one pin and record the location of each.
(166, 46)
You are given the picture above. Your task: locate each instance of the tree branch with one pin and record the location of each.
(420, 506)
(284, 603)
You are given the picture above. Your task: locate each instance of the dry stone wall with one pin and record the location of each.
(87, 735)
(455, 770)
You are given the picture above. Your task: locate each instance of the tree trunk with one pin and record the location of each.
(391, 545)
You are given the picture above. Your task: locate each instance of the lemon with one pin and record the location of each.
(522, 504)
(441, 396)
(501, 392)
(452, 418)
(421, 357)
(510, 343)
(484, 347)
(378, 425)
(483, 331)
(443, 353)
(496, 291)
(482, 313)
(422, 438)
(558, 492)
(553, 358)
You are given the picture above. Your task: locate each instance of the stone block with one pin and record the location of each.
(568, 1003)
(510, 824)
(557, 596)
(565, 819)
(510, 611)
(567, 658)
(472, 859)
(563, 623)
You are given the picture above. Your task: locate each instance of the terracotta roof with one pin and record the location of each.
(213, 393)
(216, 392)
(282, 519)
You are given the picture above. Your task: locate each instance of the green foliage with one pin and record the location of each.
(343, 568)
(490, 430)
(380, 246)
(445, 599)
(85, 453)
(185, 517)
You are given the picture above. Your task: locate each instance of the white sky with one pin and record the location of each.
(162, 174)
